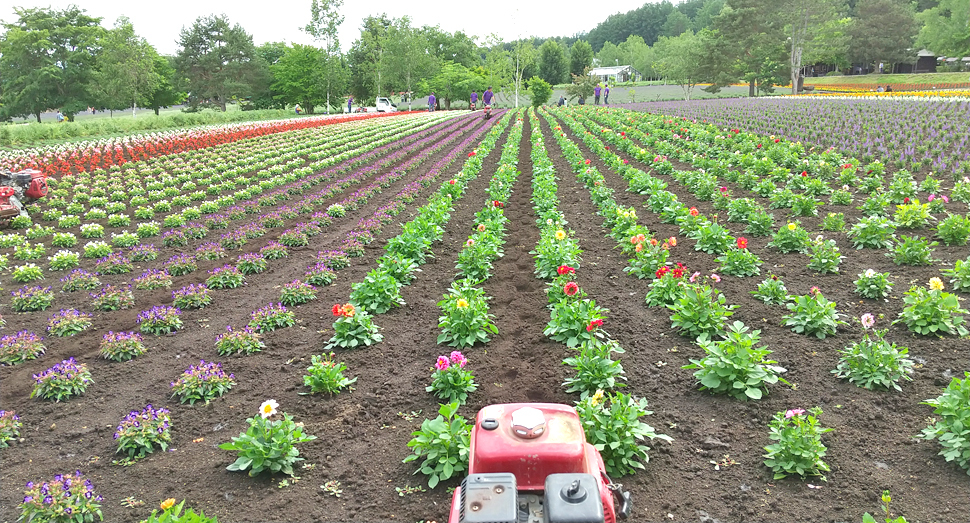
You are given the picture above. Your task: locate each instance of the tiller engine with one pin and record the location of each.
(530, 463)
(17, 189)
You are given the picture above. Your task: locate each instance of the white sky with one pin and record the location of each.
(280, 20)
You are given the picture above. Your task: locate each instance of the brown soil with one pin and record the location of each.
(362, 434)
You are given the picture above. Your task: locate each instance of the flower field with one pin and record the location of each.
(777, 321)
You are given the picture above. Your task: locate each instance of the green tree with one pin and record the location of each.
(539, 91)
(704, 18)
(580, 57)
(812, 25)
(553, 65)
(679, 60)
(407, 56)
(325, 20)
(125, 67)
(525, 57)
(611, 54)
(946, 28)
(219, 61)
(499, 64)
(46, 61)
(453, 82)
(169, 90)
(747, 43)
(582, 86)
(458, 47)
(870, 39)
(297, 77)
(675, 24)
(366, 58)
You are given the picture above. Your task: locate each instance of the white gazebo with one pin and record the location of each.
(617, 73)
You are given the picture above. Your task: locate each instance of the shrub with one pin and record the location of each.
(824, 256)
(932, 311)
(912, 250)
(872, 233)
(353, 328)
(594, 368)
(121, 346)
(813, 314)
(771, 290)
(31, 298)
(443, 444)
(326, 375)
(242, 341)
(202, 382)
(378, 292)
(271, 317)
(465, 319)
(613, 426)
(62, 381)
(735, 365)
(951, 429)
(268, 444)
(790, 238)
(140, 432)
(68, 322)
(699, 310)
(66, 498)
(450, 380)
(873, 285)
(874, 363)
(799, 449)
(954, 229)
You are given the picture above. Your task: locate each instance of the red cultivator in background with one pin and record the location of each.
(17, 189)
(530, 463)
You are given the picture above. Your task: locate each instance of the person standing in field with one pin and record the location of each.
(350, 104)
(596, 94)
(431, 102)
(606, 95)
(487, 96)
(474, 100)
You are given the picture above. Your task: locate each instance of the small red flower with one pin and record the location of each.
(452, 182)
(565, 269)
(694, 211)
(759, 146)
(587, 161)
(777, 140)
(593, 324)
(677, 273)
(498, 203)
(906, 200)
(742, 243)
(571, 288)
(661, 271)
(804, 173)
(337, 311)
(473, 153)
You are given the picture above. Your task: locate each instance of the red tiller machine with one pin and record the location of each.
(530, 463)
(18, 189)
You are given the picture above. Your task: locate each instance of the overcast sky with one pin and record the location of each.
(280, 20)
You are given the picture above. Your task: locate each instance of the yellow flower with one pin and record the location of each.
(792, 226)
(936, 284)
(560, 234)
(167, 504)
(597, 398)
(462, 303)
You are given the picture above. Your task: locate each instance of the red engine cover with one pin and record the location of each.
(561, 448)
(38, 185)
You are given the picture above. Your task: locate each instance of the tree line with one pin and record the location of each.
(64, 59)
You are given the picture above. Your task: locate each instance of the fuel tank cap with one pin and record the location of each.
(528, 423)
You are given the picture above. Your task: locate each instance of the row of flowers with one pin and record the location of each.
(71, 158)
(736, 366)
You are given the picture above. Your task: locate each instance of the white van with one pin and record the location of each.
(384, 105)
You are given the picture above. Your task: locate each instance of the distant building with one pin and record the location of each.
(617, 73)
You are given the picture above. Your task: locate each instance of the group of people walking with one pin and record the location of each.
(487, 97)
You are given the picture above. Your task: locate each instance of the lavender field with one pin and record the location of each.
(920, 135)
